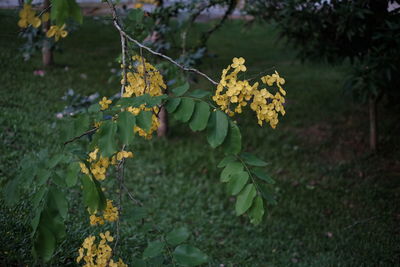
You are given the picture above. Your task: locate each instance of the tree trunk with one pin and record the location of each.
(47, 53)
(163, 118)
(373, 128)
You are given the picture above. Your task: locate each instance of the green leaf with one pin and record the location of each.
(107, 144)
(51, 219)
(185, 110)
(75, 11)
(267, 194)
(153, 249)
(199, 93)
(181, 90)
(146, 99)
(217, 128)
(138, 262)
(38, 197)
(257, 211)
(200, 117)
(45, 244)
(59, 201)
(245, 199)
(253, 160)
(67, 129)
(237, 182)
(42, 176)
(61, 10)
(136, 15)
(102, 198)
(177, 236)
(58, 178)
(225, 161)
(81, 124)
(55, 160)
(144, 120)
(35, 221)
(91, 197)
(94, 108)
(263, 176)
(172, 104)
(11, 192)
(126, 122)
(72, 174)
(233, 141)
(187, 255)
(231, 168)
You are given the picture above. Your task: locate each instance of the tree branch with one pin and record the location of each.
(205, 36)
(123, 33)
(78, 137)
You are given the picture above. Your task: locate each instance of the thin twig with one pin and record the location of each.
(137, 202)
(359, 222)
(120, 177)
(128, 37)
(44, 10)
(78, 137)
(124, 72)
(206, 35)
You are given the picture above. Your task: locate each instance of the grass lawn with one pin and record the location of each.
(338, 205)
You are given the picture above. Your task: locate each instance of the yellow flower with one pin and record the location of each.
(57, 32)
(94, 220)
(93, 155)
(27, 17)
(107, 236)
(110, 213)
(104, 103)
(45, 17)
(233, 94)
(138, 5)
(81, 250)
(124, 154)
(143, 78)
(88, 242)
(98, 171)
(84, 169)
(238, 63)
(105, 162)
(98, 254)
(114, 160)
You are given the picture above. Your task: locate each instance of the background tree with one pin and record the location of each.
(47, 51)
(365, 32)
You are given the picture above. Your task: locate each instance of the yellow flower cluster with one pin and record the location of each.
(28, 17)
(104, 103)
(233, 94)
(144, 78)
(110, 214)
(57, 32)
(124, 155)
(98, 165)
(98, 255)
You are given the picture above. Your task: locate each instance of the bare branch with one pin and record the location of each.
(78, 137)
(120, 177)
(124, 79)
(128, 37)
(137, 202)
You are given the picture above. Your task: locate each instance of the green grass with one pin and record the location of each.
(338, 204)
